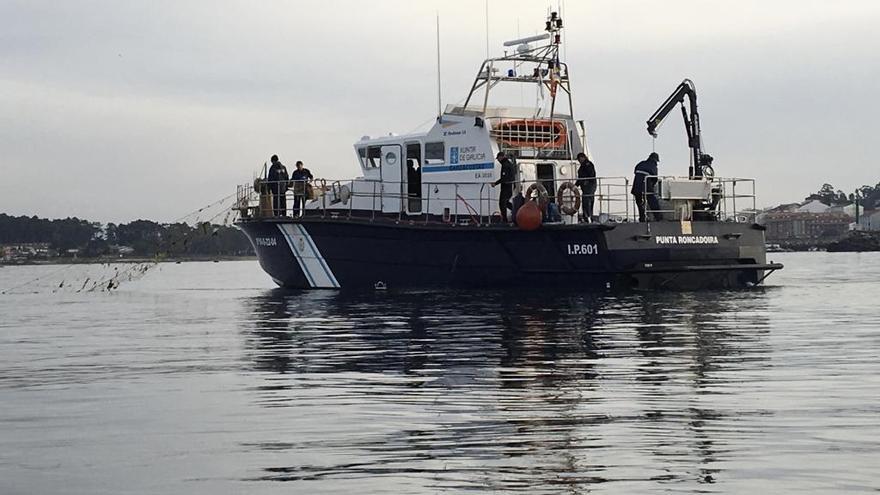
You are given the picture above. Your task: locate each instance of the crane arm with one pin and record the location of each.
(691, 123)
(685, 89)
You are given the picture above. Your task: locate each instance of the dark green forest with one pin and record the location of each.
(867, 196)
(145, 237)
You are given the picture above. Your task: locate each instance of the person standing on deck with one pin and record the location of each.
(587, 182)
(301, 176)
(277, 178)
(506, 181)
(644, 183)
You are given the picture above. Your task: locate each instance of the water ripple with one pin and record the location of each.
(186, 389)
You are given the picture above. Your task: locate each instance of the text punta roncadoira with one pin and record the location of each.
(686, 239)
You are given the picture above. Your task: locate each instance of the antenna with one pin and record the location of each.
(487, 29)
(439, 97)
(529, 39)
(565, 46)
(521, 90)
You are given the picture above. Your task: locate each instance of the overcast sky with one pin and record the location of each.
(116, 110)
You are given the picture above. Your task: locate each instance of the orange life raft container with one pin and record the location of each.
(532, 133)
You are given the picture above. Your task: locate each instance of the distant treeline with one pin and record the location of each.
(867, 196)
(144, 237)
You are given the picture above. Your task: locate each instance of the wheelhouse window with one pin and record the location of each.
(362, 154)
(435, 153)
(374, 156)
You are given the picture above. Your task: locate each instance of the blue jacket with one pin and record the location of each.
(644, 169)
(299, 178)
(303, 174)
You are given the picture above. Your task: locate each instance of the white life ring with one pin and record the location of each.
(541, 194)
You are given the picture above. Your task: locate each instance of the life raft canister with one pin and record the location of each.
(568, 206)
(532, 133)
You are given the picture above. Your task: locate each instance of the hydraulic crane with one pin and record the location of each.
(701, 164)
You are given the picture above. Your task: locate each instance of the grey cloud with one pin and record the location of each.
(118, 110)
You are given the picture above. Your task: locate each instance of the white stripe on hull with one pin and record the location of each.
(309, 258)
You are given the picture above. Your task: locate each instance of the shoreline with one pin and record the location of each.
(101, 261)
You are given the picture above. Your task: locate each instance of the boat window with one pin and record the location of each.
(435, 152)
(362, 154)
(374, 156)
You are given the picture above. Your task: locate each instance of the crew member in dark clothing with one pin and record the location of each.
(277, 179)
(587, 182)
(300, 177)
(506, 181)
(644, 184)
(516, 203)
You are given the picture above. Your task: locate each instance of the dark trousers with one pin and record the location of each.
(279, 201)
(587, 201)
(299, 203)
(641, 198)
(504, 202)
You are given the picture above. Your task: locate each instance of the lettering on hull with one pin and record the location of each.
(266, 241)
(685, 239)
(588, 249)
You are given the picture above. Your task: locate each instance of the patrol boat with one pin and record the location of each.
(423, 212)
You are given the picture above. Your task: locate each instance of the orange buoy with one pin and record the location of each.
(528, 217)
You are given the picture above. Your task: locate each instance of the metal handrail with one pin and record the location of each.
(723, 213)
(611, 198)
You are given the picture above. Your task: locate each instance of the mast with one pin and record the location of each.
(531, 61)
(439, 96)
(547, 70)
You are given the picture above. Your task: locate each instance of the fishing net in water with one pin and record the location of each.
(78, 277)
(168, 242)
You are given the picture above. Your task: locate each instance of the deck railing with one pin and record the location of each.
(471, 202)
(723, 193)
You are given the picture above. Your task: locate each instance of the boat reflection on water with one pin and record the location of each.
(504, 390)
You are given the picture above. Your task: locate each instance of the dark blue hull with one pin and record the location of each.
(362, 254)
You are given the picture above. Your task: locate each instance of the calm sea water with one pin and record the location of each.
(202, 378)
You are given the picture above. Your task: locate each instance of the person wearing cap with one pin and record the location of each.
(586, 174)
(644, 182)
(506, 181)
(277, 179)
